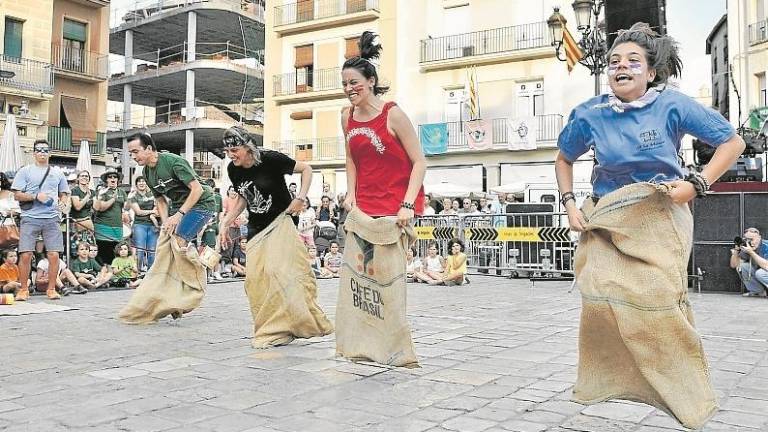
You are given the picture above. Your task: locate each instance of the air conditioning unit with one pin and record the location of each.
(468, 51)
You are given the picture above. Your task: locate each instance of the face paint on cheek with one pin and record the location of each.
(357, 88)
(612, 69)
(636, 68)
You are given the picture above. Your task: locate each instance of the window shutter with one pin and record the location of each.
(74, 30)
(352, 50)
(301, 115)
(304, 56)
(12, 41)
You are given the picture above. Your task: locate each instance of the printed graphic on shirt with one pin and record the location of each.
(162, 185)
(368, 132)
(256, 202)
(650, 139)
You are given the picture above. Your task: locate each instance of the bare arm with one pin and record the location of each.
(351, 169)
(400, 125)
(725, 155)
(162, 207)
(195, 192)
(102, 205)
(735, 259)
(78, 203)
(564, 174)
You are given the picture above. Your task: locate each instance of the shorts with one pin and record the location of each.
(31, 228)
(192, 223)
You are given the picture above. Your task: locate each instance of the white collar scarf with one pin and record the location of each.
(617, 105)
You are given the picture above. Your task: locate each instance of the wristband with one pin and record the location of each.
(182, 212)
(406, 205)
(567, 196)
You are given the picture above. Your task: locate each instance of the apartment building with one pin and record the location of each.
(185, 71)
(748, 51)
(430, 47)
(26, 73)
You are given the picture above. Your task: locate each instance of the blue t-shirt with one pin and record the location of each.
(639, 145)
(28, 179)
(762, 252)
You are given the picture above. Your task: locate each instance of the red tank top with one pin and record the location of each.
(383, 166)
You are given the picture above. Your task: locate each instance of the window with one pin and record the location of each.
(530, 99)
(73, 48)
(12, 42)
(454, 104)
(305, 65)
(762, 98)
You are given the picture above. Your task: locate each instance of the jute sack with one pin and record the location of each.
(281, 288)
(174, 285)
(637, 339)
(370, 313)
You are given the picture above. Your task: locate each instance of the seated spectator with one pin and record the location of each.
(466, 203)
(750, 260)
(447, 207)
(412, 265)
(124, 268)
(314, 261)
(9, 272)
(42, 277)
(455, 266)
(89, 273)
(432, 267)
(238, 259)
(333, 260)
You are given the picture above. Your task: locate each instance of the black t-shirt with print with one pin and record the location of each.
(263, 188)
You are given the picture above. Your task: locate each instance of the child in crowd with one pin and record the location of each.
(126, 273)
(412, 265)
(314, 263)
(89, 273)
(432, 266)
(42, 277)
(333, 260)
(455, 266)
(9, 272)
(238, 259)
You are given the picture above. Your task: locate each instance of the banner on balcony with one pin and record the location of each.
(522, 133)
(478, 134)
(434, 138)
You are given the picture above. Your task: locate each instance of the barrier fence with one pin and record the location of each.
(505, 244)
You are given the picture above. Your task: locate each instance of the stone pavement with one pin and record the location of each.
(496, 355)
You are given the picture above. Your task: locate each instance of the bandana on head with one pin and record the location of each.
(617, 105)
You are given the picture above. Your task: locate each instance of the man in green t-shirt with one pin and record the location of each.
(184, 203)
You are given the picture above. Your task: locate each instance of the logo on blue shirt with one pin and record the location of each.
(650, 140)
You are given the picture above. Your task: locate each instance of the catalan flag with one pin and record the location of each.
(572, 51)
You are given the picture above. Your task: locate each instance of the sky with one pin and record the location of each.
(688, 21)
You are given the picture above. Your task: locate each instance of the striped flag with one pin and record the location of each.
(572, 51)
(473, 102)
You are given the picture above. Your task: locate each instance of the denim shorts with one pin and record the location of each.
(192, 223)
(31, 228)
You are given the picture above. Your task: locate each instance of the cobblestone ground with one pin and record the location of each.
(496, 355)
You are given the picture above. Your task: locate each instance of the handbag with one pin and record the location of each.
(9, 234)
(27, 205)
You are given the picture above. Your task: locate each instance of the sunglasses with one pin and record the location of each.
(112, 177)
(42, 150)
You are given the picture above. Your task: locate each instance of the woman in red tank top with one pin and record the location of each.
(385, 164)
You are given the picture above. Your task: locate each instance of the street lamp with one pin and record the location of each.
(592, 42)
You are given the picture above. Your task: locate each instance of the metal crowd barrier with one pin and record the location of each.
(527, 245)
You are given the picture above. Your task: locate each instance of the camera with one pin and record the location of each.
(739, 242)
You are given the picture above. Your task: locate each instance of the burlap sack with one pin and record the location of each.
(637, 339)
(370, 313)
(175, 284)
(281, 288)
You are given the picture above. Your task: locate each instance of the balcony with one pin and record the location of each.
(314, 150)
(304, 15)
(29, 75)
(136, 11)
(502, 130)
(80, 64)
(758, 32)
(307, 84)
(60, 140)
(519, 42)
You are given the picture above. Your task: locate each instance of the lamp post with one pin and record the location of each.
(592, 42)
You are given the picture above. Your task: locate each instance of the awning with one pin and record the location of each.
(75, 110)
(304, 56)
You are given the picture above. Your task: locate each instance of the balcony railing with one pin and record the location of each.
(175, 113)
(320, 149)
(547, 130)
(308, 10)
(79, 61)
(306, 81)
(60, 139)
(138, 10)
(494, 41)
(31, 75)
(181, 53)
(758, 32)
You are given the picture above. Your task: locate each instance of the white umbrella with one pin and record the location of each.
(84, 158)
(513, 188)
(10, 152)
(447, 190)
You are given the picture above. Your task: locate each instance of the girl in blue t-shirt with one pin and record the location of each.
(636, 336)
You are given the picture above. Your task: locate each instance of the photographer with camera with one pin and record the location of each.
(749, 258)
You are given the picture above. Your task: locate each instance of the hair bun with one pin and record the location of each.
(370, 47)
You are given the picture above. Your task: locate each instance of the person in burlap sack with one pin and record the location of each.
(385, 171)
(176, 282)
(279, 283)
(637, 339)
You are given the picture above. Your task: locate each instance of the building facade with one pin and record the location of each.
(432, 49)
(26, 86)
(185, 71)
(748, 52)
(717, 49)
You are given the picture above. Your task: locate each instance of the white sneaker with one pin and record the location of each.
(217, 276)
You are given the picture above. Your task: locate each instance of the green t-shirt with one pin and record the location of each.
(122, 267)
(146, 202)
(170, 178)
(87, 267)
(113, 216)
(87, 209)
